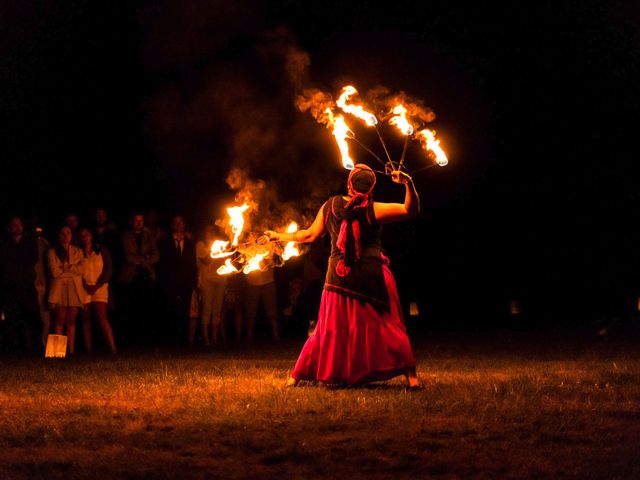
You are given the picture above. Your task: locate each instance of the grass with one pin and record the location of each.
(495, 406)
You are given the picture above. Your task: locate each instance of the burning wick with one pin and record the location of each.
(227, 268)
(290, 249)
(433, 145)
(400, 120)
(219, 249)
(254, 263)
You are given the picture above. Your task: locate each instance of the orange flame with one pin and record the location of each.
(290, 249)
(219, 249)
(227, 268)
(433, 145)
(341, 132)
(400, 120)
(356, 110)
(236, 221)
(254, 263)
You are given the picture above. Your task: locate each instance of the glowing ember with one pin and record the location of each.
(356, 110)
(400, 120)
(254, 263)
(236, 221)
(433, 145)
(227, 268)
(290, 250)
(219, 249)
(341, 132)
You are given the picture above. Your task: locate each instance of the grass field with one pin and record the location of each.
(496, 406)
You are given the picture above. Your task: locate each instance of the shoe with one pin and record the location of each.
(291, 382)
(416, 387)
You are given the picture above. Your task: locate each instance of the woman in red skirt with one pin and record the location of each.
(360, 336)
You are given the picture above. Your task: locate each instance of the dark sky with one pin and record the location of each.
(149, 104)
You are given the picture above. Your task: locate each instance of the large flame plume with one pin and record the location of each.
(236, 221)
(341, 132)
(409, 115)
(356, 110)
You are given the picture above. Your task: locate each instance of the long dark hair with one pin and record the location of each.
(95, 247)
(61, 252)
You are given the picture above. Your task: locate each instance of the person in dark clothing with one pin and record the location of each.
(177, 275)
(105, 232)
(137, 284)
(21, 327)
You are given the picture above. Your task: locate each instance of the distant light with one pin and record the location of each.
(514, 307)
(413, 309)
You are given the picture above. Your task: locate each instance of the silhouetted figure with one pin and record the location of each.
(72, 221)
(137, 283)
(20, 325)
(260, 287)
(42, 284)
(178, 275)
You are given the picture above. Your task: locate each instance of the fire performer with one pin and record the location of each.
(360, 336)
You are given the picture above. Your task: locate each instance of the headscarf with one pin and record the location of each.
(361, 181)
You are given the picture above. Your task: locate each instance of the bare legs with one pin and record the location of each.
(66, 320)
(100, 310)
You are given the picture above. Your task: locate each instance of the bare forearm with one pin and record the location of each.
(411, 199)
(301, 236)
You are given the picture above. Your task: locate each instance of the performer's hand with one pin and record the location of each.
(273, 236)
(398, 176)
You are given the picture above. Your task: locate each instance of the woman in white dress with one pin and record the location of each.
(66, 294)
(96, 273)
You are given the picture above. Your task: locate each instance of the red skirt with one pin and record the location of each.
(355, 343)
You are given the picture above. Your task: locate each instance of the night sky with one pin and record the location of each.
(150, 104)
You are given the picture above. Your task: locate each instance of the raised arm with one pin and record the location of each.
(301, 236)
(392, 212)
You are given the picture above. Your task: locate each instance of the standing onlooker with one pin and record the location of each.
(66, 294)
(97, 271)
(72, 221)
(261, 286)
(42, 283)
(105, 233)
(212, 287)
(177, 274)
(137, 277)
(19, 303)
(152, 225)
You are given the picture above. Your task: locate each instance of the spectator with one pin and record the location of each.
(211, 287)
(177, 276)
(96, 273)
(261, 286)
(152, 225)
(137, 281)
(66, 295)
(42, 283)
(21, 327)
(105, 233)
(71, 220)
